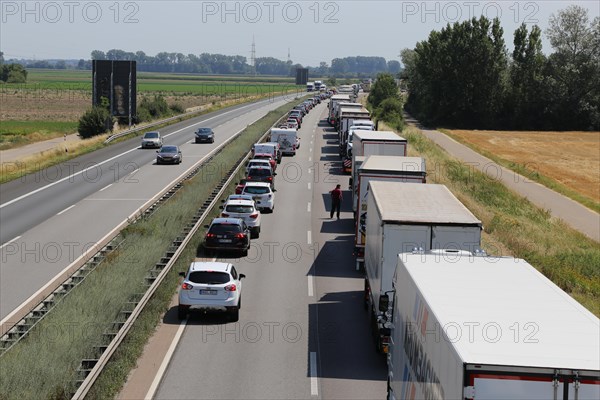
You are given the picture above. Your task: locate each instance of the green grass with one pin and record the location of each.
(514, 224)
(67, 335)
(534, 175)
(18, 133)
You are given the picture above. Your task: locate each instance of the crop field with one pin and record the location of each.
(51, 102)
(568, 162)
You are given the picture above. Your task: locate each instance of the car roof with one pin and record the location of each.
(226, 221)
(258, 184)
(168, 147)
(244, 202)
(240, 197)
(152, 132)
(210, 266)
(260, 167)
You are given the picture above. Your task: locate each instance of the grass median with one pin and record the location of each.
(56, 346)
(514, 226)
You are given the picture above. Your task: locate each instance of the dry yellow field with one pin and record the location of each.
(570, 158)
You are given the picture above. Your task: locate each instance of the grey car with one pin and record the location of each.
(151, 139)
(169, 155)
(205, 135)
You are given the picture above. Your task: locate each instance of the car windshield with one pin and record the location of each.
(151, 135)
(262, 163)
(204, 130)
(256, 189)
(168, 149)
(259, 172)
(209, 277)
(221, 229)
(236, 208)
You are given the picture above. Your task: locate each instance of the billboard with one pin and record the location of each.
(116, 81)
(301, 76)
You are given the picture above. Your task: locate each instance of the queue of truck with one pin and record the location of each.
(430, 289)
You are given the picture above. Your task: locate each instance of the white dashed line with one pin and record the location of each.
(66, 209)
(308, 208)
(10, 241)
(308, 185)
(105, 187)
(309, 159)
(308, 237)
(314, 387)
(311, 292)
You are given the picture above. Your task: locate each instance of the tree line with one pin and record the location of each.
(463, 75)
(12, 73)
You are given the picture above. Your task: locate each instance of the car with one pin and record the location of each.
(227, 234)
(265, 156)
(297, 117)
(238, 196)
(263, 195)
(169, 155)
(152, 140)
(301, 109)
(204, 135)
(261, 174)
(256, 162)
(210, 286)
(297, 142)
(245, 210)
(291, 123)
(239, 186)
(317, 99)
(277, 150)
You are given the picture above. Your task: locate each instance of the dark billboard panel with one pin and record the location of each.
(116, 81)
(301, 76)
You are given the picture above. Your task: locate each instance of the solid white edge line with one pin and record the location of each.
(11, 240)
(65, 210)
(314, 387)
(308, 207)
(310, 286)
(165, 362)
(110, 159)
(308, 237)
(106, 187)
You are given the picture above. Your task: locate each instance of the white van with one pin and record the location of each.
(286, 139)
(268, 148)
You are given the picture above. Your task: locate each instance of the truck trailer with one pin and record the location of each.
(405, 216)
(475, 327)
(333, 103)
(383, 143)
(346, 117)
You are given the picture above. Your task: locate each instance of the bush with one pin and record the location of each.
(177, 108)
(390, 111)
(156, 107)
(95, 121)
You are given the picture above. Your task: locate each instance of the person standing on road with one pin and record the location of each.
(336, 201)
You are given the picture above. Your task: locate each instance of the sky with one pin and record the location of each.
(312, 31)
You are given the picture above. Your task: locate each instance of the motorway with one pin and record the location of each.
(303, 332)
(51, 218)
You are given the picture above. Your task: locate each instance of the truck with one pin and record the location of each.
(333, 101)
(318, 85)
(470, 326)
(310, 86)
(347, 115)
(286, 139)
(406, 216)
(383, 143)
(363, 124)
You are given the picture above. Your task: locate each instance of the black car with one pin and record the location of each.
(227, 234)
(169, 155)
(205, 135)
(261, 174)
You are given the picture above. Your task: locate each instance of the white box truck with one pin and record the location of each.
(404, 216)
(346, 117)
(286, 139)
(333, 103)
(478, 328)
(382, 143)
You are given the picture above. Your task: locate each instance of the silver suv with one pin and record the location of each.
(152, 140)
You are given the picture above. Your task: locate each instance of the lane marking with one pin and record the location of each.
(96, 165)
(309, 159)
(166, 361)
(134, 172)
(106, 187)
(310, 286)
(314, 387)
(311, 142)
(308, 237)
(308, 185)
(66, 209)
(308, 208)
(10, 241)
(311, 149)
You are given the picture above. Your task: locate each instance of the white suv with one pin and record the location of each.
(152, 139)
(258, 162)
(245, 210)
(212, 286)
(261, 192)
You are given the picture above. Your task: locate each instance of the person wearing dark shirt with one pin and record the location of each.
(336, 201)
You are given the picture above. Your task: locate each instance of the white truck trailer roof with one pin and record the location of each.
(370, 136)
(415, 203)
(377, 163)
(506, 294)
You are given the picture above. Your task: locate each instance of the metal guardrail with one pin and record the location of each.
(98, 365)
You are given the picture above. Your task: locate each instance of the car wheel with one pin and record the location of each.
(240, 303)
(212, 141)
(245, 253)
(234, 315)
(181, 313)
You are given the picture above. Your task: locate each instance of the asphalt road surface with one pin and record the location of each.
(49, 219)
